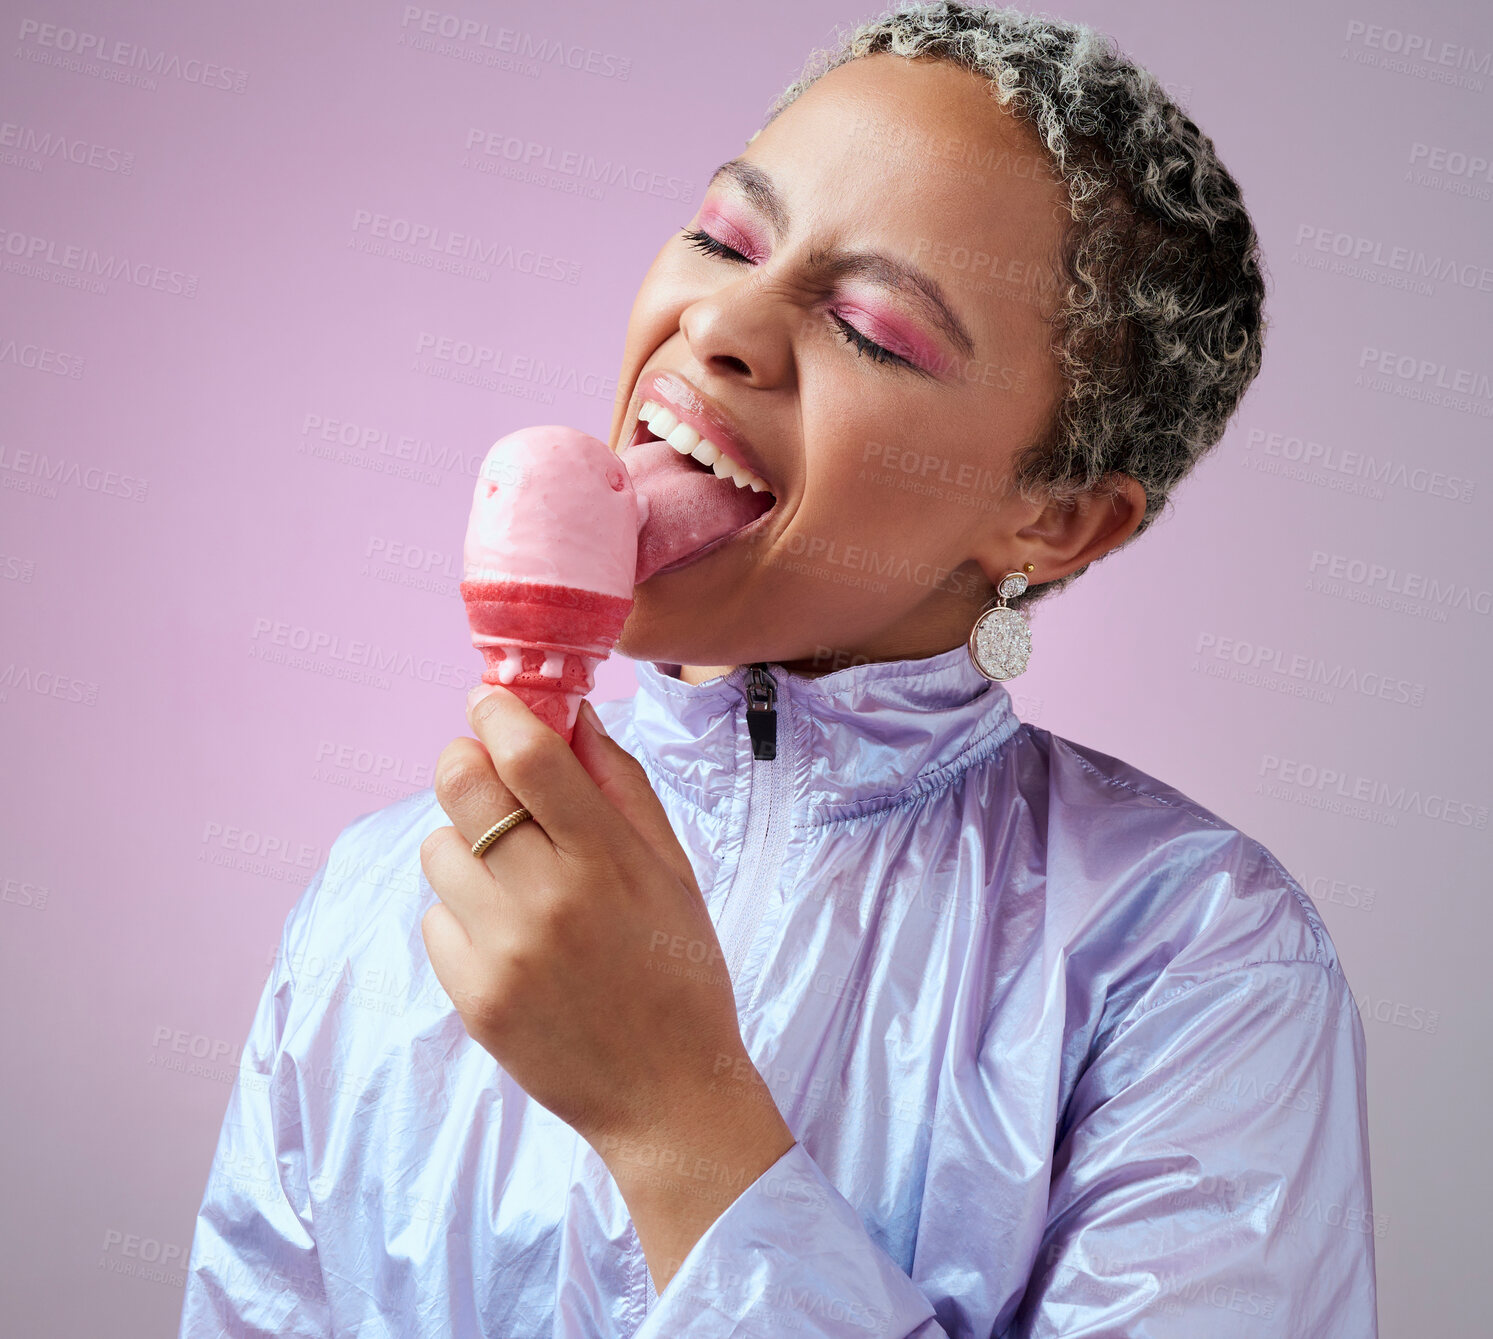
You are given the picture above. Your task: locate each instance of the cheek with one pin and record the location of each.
(654, 318)
(852, 426)
(851, 496)
(873, 480)
(662, 295)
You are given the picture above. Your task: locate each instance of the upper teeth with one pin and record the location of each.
(685, 440)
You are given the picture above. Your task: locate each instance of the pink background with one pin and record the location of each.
(173, 517)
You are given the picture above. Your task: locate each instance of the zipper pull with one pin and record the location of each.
(762, 717)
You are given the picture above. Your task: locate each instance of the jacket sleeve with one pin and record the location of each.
(1214, 1175)
(1212, 1179)
(789, 1255)
(253, 1267)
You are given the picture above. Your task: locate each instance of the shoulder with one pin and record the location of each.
(371, 877)
(373, 867)
(1162, 889)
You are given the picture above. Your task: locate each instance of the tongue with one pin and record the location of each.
(687, 507)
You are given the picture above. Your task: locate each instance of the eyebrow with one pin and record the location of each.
(875, 266)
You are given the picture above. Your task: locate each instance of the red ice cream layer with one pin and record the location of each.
(557, 616)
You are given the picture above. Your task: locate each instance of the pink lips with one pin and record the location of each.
(691, 405)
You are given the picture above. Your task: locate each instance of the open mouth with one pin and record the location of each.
(692, 509)
(643, 433)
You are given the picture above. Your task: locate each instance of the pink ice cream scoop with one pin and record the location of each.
(549, 564)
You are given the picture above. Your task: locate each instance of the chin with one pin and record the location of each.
(665, 623)
(700, 615)
(677, 638)
(659, 646)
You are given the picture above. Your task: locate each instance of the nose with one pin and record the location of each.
(740, 332)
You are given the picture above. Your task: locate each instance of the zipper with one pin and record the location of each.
(762, 716)
(762, 845)
(767, 820)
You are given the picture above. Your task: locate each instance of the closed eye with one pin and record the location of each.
(703, 241)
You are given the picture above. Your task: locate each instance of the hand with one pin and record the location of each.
(578, 949)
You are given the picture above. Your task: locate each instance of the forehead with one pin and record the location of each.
(917, 157)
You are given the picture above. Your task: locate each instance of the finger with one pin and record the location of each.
(449, 950)
(464, 885)
(621, 778)
(474, 798)
(540, 770)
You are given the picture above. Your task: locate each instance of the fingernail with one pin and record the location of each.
(478, 692)
(593, 717)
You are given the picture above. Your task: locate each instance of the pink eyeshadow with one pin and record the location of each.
(737, 238)
(893, 331)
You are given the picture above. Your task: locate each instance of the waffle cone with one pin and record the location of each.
(543, 643)
(555, 700)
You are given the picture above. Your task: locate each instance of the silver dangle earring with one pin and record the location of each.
(1000, 643)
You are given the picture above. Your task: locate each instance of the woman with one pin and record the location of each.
(826, 996)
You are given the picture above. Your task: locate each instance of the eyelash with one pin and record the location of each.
(703, 241)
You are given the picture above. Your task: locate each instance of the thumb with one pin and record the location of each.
(620, 777)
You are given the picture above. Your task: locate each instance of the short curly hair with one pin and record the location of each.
(1159, 326)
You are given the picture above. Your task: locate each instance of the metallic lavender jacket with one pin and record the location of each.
(1063, 1051)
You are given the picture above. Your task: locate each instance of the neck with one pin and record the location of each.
(940, 625)
(699, 673)
(852, 742)
(814, 667)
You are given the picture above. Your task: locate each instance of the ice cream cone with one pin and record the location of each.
(550, 558)
(543, 642)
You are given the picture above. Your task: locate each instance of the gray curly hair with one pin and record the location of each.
(1159, 326)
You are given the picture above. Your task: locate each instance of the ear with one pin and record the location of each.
(1067, 533)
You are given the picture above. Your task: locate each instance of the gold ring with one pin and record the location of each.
(498, 829)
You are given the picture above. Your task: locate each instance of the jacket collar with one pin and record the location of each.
(860, 739)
